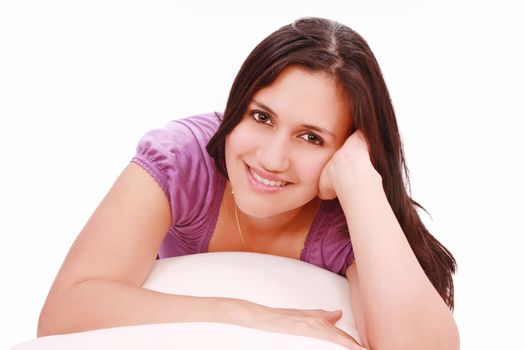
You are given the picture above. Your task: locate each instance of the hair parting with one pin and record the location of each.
(322, 45)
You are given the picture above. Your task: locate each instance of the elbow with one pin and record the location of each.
(44, 327)
(50, 324)
(453, 338)
(50, 320)
(58, 313)
(431, 342)
(443, 333)
(425, 332)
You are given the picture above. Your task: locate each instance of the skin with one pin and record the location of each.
(100, 282)
(275, 136)
(394, 304)
(272, 138)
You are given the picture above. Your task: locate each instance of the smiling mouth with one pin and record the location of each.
(267, 182)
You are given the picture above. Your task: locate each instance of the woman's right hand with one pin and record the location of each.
(315, 323)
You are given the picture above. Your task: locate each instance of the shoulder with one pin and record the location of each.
(180, 132)
(176, 157)
(162, 151)
(200, 126)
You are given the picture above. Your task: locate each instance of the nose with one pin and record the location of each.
(274, 154)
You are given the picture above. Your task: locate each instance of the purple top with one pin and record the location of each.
(177, 159)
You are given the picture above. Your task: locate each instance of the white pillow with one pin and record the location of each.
(265, 279)
(261, 278)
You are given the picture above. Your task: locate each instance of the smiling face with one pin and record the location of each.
(275, 155)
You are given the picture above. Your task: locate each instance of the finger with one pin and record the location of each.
(323, 313)
(339, 336)
(317, 312)
(333, 316)
(348, 341)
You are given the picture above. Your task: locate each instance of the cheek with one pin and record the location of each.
(237, 142)
(312, 165)
(233, 142)
(230, 149)
(244, 138)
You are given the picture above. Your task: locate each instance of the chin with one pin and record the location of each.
(268, 208)
(260, 211)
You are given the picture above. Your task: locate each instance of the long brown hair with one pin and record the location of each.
(322, 45)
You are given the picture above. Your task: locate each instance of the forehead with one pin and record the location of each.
(302, 96)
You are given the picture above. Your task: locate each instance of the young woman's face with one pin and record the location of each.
(275, 155)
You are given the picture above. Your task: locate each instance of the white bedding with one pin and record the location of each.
(265, 279)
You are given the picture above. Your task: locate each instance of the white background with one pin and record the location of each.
(80, 82)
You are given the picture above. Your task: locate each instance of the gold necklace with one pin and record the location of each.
(239, 226)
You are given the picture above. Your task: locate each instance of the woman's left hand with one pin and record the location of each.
(348, 164)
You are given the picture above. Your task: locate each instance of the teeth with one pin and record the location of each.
(267, 182)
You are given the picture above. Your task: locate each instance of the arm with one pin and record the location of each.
(400, 307)
(396, 305)
(99, 283)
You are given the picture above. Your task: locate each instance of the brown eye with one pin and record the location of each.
(260, 117)
(313, 138)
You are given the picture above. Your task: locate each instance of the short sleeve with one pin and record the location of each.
(336, 245)
(328, 245)
(175, 156)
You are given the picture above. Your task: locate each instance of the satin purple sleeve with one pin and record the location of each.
(176, 157)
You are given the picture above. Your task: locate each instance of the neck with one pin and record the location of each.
(293, 222)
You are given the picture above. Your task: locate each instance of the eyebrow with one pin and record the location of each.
(308, 126)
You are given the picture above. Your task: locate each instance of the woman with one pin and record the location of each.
(307, 163)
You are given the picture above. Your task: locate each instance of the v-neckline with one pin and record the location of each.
(216, 209)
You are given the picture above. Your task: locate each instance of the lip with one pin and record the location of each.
(266, 175)
(260, 186)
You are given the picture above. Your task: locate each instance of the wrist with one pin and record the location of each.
(237, 311)
(352, 195)
(355, 175)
